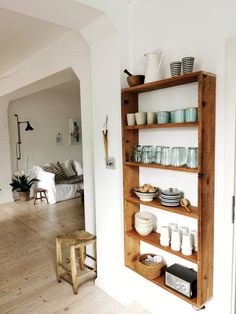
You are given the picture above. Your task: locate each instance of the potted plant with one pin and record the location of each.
(22, 184)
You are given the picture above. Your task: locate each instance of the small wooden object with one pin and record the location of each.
(185, 203)
(105, 141)
(105, 138)
(150, 271)
(40, 194)
(77, 240)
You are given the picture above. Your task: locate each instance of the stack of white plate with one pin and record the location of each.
(171, 197)
(143, 223)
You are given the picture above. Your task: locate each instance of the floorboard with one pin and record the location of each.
(27, 262)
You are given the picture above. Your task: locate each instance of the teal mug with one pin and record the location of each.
(163, 117)
(191, 114)
(179, 116)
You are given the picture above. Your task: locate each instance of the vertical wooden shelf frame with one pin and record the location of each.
(204, 213)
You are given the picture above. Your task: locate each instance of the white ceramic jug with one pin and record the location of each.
(154, 60)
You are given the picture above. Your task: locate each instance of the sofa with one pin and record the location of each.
(62, 179)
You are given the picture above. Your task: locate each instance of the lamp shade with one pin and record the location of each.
(28, 127)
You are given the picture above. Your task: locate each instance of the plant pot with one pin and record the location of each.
(24, 196)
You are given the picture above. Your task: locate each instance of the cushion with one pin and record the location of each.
(71, 180)
(67, 168)
(77, 167)
(36, 170)
(57, 170)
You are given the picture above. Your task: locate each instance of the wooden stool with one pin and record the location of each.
(42, 195)
(77, 240)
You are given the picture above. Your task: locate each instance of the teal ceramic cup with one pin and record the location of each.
(163, 117)
(179, 115)
(191, 114)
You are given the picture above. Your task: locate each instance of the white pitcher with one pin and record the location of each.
(154, 60)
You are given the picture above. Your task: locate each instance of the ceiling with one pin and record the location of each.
(21, 36)
(70, 87)
(69, 13)
(28, 26)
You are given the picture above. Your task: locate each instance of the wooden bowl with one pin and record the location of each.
(134, 80)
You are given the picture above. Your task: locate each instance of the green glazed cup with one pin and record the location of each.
(163, 117)
(191, 114)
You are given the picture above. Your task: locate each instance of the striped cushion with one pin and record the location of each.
(57, 170)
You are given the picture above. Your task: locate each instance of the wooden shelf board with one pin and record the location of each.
(154, 239)
(160, 282)
(137, 164)
(164, 125)
(169, 82)
(156, 203)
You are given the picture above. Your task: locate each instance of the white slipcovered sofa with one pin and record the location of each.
(68, 184)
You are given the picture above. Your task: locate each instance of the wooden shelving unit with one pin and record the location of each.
(185, 169)
(156, 204)
(161, 126)
(204, 212)
(154, 239)
(160, 282)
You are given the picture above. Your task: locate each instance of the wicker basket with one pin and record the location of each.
(150, 271)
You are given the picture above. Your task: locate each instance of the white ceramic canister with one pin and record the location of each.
(175, 240)
(186, 248)
(141, 118)
(165, 236)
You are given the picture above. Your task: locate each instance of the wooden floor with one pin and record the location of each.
(27, 262)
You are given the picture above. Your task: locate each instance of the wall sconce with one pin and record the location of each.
(28, 128)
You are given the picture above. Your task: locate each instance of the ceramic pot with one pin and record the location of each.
(130, 118)
(141, 118)
(24, 196)
(191, 114)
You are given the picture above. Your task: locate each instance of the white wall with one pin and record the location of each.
(197, 29)
(180, 29)
(230, 139)
(48, 112)
(5, 165)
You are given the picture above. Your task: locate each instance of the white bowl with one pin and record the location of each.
(143, 217)
(145, 223)
(143, 230)
(145, 196)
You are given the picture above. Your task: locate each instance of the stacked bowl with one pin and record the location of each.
(143, 223)
(146, 192)
(171, 197)
(175, 68)
(187, 64)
